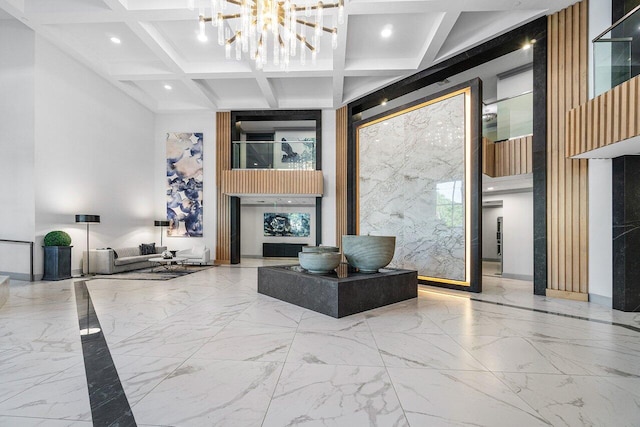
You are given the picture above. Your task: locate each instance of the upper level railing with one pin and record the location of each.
(281, 155)
(508, 118)
(616, 53)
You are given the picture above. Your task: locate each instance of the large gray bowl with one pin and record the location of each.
(368, 253)
(319, 262)
(320, 249)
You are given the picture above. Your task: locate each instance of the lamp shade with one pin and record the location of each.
(163, 223)
(87, 218)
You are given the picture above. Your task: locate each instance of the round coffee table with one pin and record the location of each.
(168, 263)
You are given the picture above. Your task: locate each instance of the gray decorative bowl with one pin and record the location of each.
(368, 253)
(319, 262)
(308, 249)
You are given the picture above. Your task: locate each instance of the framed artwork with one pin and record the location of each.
(184, 184)
(287, 224)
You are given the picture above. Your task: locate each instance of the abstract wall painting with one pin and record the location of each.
(287, 224)
(184, 184)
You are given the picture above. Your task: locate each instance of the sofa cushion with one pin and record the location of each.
(131, 259)
(128, 252)
(147, 248)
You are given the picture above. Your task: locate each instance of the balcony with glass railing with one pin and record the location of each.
(508, 118)
(507, 128)
(277, 155)
(616, 53)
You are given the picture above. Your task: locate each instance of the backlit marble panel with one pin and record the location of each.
(411, 185)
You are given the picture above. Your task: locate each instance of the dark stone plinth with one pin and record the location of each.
(337, 294)
(57, 262)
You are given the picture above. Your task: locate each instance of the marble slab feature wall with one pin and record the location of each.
(411, 184)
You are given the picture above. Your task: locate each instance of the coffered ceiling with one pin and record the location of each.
(161, 63)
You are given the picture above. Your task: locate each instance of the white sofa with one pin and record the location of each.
(196, 255)
(105, 261)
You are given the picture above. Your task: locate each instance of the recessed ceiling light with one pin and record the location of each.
(115, 40)
(489, 188)
(384, 102)
(526, 46)
(288, 201)
(386, 31)
(168, 87)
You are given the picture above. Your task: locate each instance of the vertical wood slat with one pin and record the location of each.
(511, 157)
(223, 163)
(609, 118)
(341, 173)
(567, 219)
(269, 181)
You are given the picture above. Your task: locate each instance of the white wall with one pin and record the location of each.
(517, 236)
(489, 229)
(17, 215)
(600, 186)
(329, 173)
(600, 231)
(515, 84)
(93, 154)
(252, 228)
(193, 122)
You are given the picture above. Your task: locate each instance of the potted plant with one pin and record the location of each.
(57, 256)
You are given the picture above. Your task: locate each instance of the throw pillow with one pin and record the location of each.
(147, 248)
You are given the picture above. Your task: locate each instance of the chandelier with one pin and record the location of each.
(270, 29)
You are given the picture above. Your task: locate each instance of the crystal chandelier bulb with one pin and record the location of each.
(253, 20)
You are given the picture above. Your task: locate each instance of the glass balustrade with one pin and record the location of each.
(281, 155)
(616, 53)
(508, 118)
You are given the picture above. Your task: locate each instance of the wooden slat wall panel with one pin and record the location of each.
(488, 157)
(511, 157)
(268, 181)
(341, 173)
(223, 164)
(604, 120)
(567, 216)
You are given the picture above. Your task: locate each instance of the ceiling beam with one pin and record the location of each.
(339, 59)
(202, 92)
(437, 38)
(266, 88)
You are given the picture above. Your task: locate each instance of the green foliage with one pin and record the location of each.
(451, 213)
(57, 238)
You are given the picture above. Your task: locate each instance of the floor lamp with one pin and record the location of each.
(88, 219)
(161, 224)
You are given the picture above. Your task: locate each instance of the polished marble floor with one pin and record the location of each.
(207, 350)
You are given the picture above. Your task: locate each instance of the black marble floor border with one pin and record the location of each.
(109, 404)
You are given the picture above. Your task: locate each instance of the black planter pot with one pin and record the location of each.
(57, 262)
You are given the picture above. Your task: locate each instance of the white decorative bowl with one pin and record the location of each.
(319, 262)
(368, 253)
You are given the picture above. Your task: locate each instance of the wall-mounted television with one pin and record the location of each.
(287, 224)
